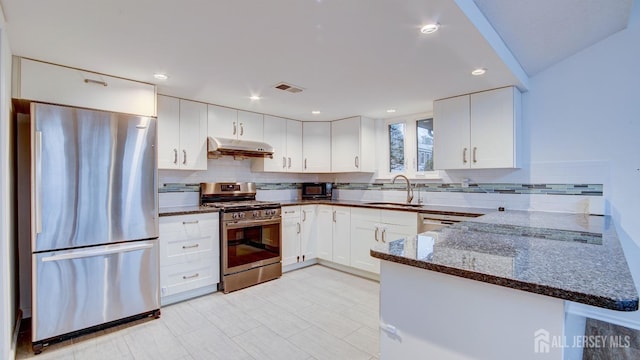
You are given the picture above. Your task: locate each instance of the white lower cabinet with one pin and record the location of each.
(291, 229)
(333, 229)
(299, 240)
(189, 256)
(341, 231)
(370, 227)
(309, 240)
(324, 232)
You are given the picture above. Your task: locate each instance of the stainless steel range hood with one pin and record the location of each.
(239, 149)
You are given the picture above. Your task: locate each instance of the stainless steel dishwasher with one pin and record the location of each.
(436, 221)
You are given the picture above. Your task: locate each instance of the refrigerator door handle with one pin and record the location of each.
(91, 253)
(38, 181)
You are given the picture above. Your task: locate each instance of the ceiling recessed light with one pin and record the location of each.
(430, 28)
(254, 97)
(478, 72)
(160, 76)
(391, 110)
(315, 112)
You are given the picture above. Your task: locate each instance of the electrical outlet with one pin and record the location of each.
(464, 183)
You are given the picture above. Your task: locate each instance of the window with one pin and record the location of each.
(409, 147)
(396, 147)
(424, 141)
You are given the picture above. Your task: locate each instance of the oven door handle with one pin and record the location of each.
(247, 223)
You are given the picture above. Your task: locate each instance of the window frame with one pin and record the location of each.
(410, 149)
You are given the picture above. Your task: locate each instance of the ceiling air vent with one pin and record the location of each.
(288, 87)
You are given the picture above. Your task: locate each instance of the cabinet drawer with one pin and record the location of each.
(67, 86)
(183, 277)
(291, 211)
(183, 251)
(189, 226)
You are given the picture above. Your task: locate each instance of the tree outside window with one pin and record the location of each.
(396, 147)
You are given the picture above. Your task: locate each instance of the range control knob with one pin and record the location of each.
(256, 213)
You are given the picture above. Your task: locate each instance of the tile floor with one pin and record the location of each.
(311, 313)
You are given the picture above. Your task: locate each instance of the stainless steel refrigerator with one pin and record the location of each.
(93, 220)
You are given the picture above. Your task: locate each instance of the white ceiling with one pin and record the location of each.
(541, 33)
(356, 57)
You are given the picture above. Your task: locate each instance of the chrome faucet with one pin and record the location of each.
(409, 190)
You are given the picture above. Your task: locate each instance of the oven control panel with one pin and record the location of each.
(259, 214)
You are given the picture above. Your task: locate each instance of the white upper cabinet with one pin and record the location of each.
(316, 146)
(494, 121)
(234, 124)
(353, 145)
(294, 146)
(182, 134)
(38, 81)
(250, 126)
(477, 131)
(451, 128)
(223, 122)
(285, 136)
(275, 134)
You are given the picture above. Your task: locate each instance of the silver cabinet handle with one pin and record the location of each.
(289, 163)
(464, 156)
(357, 162)
(185, 277)
(284, 162)
(241, 129)
(190, 222)
(304, 215)
(290, 212)
(38, 181)
(106, 250)
(299, 228)
(384, 231)
(190, 246)
(305, 163)
(175, 156)
(474, 154)
(184, 156)
(334, 216)
(97, 82)
(235, 129)
(376, 234)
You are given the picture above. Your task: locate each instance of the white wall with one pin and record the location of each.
(587, 109)
(7, 290)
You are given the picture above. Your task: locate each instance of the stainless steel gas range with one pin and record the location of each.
(250, 234)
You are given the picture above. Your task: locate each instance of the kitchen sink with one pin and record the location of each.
(393, 204)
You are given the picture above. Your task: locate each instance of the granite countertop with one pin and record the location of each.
(575, 257)
(452, 210)
(186, 210)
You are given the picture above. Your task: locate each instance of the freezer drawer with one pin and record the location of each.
(81, 288)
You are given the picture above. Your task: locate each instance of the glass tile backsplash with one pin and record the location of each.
(488, 188)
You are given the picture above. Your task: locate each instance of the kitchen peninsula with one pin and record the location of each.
(496, 287)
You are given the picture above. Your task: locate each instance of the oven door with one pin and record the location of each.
(248, 244)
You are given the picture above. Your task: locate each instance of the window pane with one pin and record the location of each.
(424, 129)
(396, 147)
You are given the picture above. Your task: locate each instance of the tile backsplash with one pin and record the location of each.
(581, 198)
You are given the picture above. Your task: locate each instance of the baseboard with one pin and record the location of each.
(299, 265)
(171, 299)
(350, 270)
